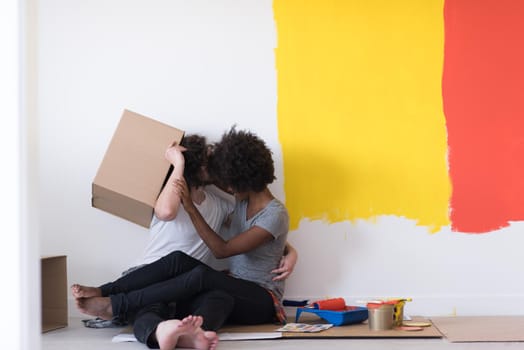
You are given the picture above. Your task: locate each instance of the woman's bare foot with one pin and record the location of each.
(212, 339)
(96, 306)
(200, 339)
(80, 291)
(185, 333)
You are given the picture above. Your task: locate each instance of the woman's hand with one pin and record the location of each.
(286, 266)
(183, 192)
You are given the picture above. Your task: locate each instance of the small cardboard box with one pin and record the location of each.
(134, 168)
(54, 292)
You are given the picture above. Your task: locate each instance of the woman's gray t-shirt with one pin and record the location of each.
(257, 264)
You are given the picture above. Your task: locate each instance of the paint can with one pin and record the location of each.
(381, 317)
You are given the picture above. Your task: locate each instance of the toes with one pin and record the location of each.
(198, 321)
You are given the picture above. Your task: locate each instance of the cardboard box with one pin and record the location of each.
(134, 168)
(54, 292)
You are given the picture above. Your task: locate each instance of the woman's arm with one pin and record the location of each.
(241, 243)
(168, 202)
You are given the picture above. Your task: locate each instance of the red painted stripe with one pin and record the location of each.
(483, 94)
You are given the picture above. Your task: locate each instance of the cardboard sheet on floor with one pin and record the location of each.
(267, 331)
(481, 328)
(360, 330)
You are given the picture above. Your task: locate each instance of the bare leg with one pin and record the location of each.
(80, 291)
(185, 333)
(96, 306)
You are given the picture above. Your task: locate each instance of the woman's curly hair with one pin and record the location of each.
(195, 158)
(242, 162)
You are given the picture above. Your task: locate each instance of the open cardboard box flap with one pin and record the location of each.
(134, 169)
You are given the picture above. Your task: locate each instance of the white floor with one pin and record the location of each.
(77, 337)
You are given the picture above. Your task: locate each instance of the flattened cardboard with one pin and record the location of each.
(359, 330)
(54, 292)
(268, 331)
(133, 170)
(481, 328)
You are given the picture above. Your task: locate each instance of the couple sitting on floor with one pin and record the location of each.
(177, 296)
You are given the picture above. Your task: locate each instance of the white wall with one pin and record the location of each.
(19, 263)
(203, 66)
(10, 249)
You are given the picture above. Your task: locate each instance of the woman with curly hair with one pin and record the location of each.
(258, 225)
(258, 229)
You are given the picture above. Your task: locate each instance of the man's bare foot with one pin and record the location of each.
(80, 291)
(96, 306)
(185, 333)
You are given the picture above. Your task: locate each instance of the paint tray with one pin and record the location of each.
(350, 315)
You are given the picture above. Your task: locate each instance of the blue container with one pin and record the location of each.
(351, 315)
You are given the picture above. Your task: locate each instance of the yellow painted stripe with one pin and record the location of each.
(360, 115)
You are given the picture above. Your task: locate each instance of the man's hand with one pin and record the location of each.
(174, 154)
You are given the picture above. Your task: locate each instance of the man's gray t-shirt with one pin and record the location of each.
(257, 264)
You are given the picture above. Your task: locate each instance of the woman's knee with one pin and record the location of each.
(202, 276)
